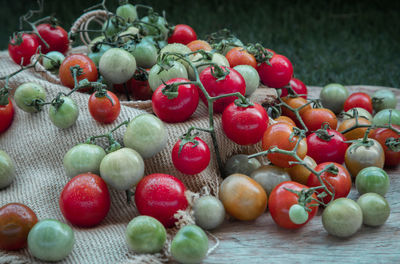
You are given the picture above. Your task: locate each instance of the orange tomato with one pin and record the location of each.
(294, 102)
(240, 56)
(299, 173)
(285, 119)
(355, 133)
(199, 45)
(314, 118)
(89, 70)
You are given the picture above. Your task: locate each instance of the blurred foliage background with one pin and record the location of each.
(349, 42)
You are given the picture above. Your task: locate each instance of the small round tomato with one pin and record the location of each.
(328, 145)
(6, 116)
(183, 34)
(333, 97)
(27, 94)
(360, 112)
(314, 118)
(117, 65)
(300, 173)
(295, 103)
(128, 12)
(278, 73)
(199, 45)
(244, 124)
(250, 76)
(176, 48)
(145, 54)
(64, 115)
(269, 176)
(285, 119)
(157, 27)
(339, 181)
(22, 48)
(242, 197)
(392, 157)
(297, 86)
(160, 196)
(375, 209)
(383, 99)
(7, 170)
(53, 60)
(87, 66)
(201, 63)
(104, 108)
(362, 100)
(209, 212)
(55, 36)
(16, 220)
(190, 155)
(372, 179)
(240, 56)
(354, 133)
(85, 200)
(158, 75)
(278, 135)
(382, 117)
(190, 245)
(281, 200)
(240, 164)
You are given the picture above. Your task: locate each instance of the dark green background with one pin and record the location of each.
(350, 42)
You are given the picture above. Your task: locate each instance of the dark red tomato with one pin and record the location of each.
(362, 100)
(160, 196)
(89, 70)
(232, 83)
(392, 158)
(85, 200)
(341, 182)
(244, 125)
(298, 86)
(21, 52)
(329, 146)
(104, 109)
(183, 34)
(56, 37)
(278, 74)
(175, 108)
(280, 201)
(193, 158)
(138, 89)
(16, 220)
(314, 118)
(6, 116)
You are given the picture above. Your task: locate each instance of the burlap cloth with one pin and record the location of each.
(38, 147)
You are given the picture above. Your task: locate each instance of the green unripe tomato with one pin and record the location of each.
(158, 27)
(127, 12)
(145, 234)
(298, 214)
(269, 176)
(250, 76)
(209, 212)
(65, 115)
(190, 245)
(372, 179)
(177, 48)
(53, 60)
(117, 65)
(7, 170)
(333, 97)
(375, 209)
(110, 28)
(383, 99)
(127, 35)
(240, 164)
(157, 75)
(26, 94)
(382, 117)
(145, 54)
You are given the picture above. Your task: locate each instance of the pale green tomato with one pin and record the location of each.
(53, 60)
(157, 75)
(83, 158)
(145, 234)
(158, 27)
(51, 240)
(217, 58)
(209, 212)
(375, 209)
(360, 111)
(177, 48)
(383, 99)
(117, 65)
(333, 97)
(65, 115)
(190, 245)
(382, 117)
(127, 12)
(145, 54)
(240, 164)
(146, 134)
(26, 94)
(269, 176)
(128, 34)
(250, 76)
(298, 214)
(7, 170)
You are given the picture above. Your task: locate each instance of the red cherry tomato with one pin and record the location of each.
(183, 34)
(314, 118)
(280, 201)
(244, 125)
(104, 109)
(85, 200)
(55, 36)
(193, 158)
(89, 70)
(278, 74)
(233, 82)
(138, 87)
(175, 108)
(327, 147)
(16, 220)
(298, 86)
(341, 182)
(6, 116)
(22, 52)
(392, 158)
(160, 196)
(362, 100)
(240, 56)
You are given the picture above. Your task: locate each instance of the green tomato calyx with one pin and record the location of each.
(323, 134)
(392, 143)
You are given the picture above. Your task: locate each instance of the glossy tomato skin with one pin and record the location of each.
(314, 118)
(233, 82)
(392, 158)
(192, 159)
(278, 74)
(281, 200)
(285, 119)
(85, 200)
(199, 45)
(16, 220)
(24, 51)
(102, 109)
(87, 65)
(183, 34)
(362, 100)
(56, 37)
(341, 182)
(240, 56)
(177, 109)
(160, 196)
(244, 125)
(298, 86)
(295, 103)
(6, 116)
(323, 151)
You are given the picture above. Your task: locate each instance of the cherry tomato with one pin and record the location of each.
(298, 86)
(341, 182)
(138, 87)
(372, 180)
(21, 50)
(392, 157)
(85, 200)
(362, 100)
(244, 125)
(89, 70)
(160, 196)
(278, 135)
(329, 146)
(6, 116)
(278, 74)
(233, 82)
(16, 220)
(183, 34)
(55, 36)
(281, 200)
(285, 119)
(199, 45)
(190, 245)
(314, 118)
(354, 133)
(104, 109)
(299, 173)
(295, 103)
(178, 105)
(240, 56)
(192, 157)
